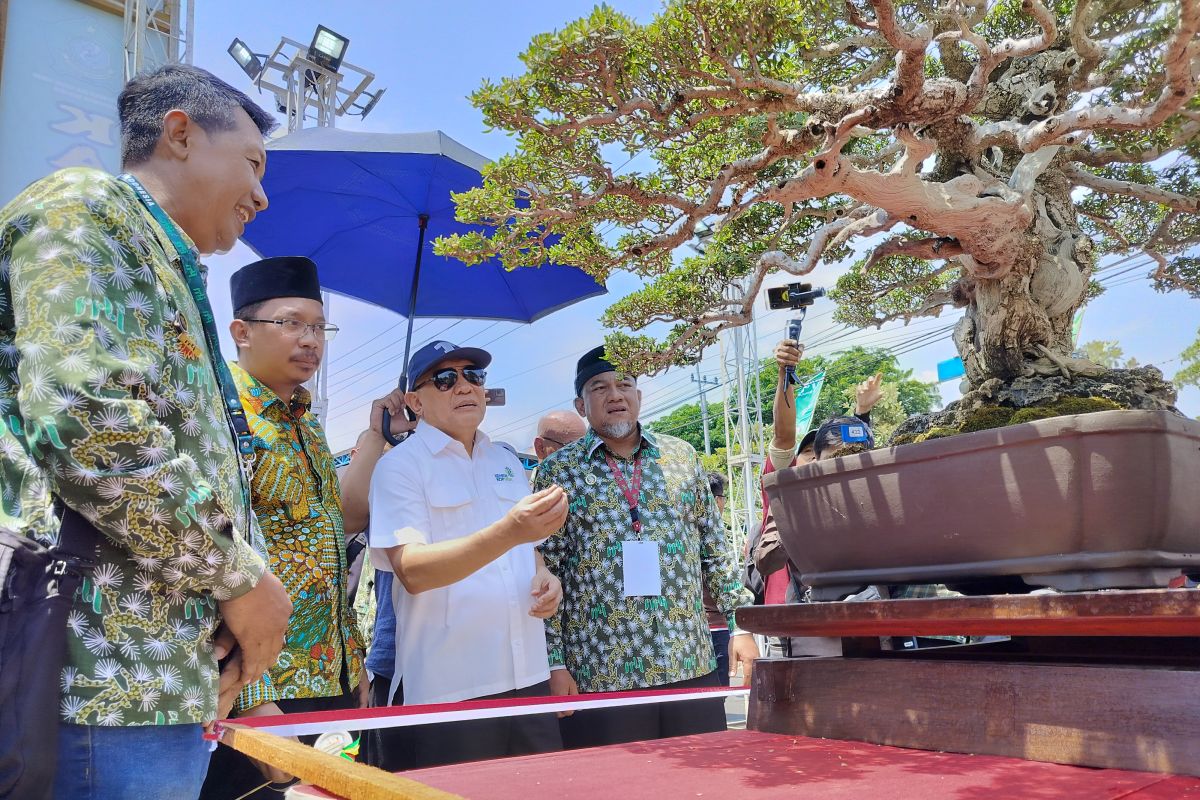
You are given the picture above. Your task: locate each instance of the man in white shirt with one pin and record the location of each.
(452, 517)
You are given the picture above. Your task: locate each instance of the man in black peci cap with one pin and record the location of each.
(453, 519)
(280, 331)
(642, 537)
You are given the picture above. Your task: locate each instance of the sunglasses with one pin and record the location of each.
(445, 379)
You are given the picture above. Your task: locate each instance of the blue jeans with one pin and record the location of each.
(151, 762)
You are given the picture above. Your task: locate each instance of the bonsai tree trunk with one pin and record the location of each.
(1019, 324)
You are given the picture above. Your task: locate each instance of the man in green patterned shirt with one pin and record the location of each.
(642, 536)
(110, 403)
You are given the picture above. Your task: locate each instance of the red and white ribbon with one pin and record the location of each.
(399, 716)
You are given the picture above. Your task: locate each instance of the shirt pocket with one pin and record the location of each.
(451, 510)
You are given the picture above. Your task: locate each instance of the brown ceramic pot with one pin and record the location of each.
(1092, 501)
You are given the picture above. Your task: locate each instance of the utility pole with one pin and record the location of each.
(697, 378)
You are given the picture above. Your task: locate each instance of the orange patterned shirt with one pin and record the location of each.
(297, 500)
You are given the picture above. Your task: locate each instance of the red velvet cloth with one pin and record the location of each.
(748, 765)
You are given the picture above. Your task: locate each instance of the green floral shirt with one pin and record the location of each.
(610, 642)
(299, 507)
(109, 400)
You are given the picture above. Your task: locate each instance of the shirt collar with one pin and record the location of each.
(593, 442)
(160, 235)
(437, 440)
(260, 397)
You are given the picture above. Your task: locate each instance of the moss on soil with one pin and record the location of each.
(988, 417)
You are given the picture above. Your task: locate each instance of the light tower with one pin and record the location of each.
(744, 447)
(743, 424)
(307, 80)
(303, 80)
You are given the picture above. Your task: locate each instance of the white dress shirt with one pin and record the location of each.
(475, 637)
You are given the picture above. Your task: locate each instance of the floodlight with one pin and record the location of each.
(364, 110)
(328, 49)
(246, 59)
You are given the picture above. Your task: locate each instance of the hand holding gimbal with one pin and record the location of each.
(798, 297)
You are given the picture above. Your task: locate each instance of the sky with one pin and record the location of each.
(430, 57)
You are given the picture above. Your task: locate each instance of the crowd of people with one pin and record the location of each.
(224, 581)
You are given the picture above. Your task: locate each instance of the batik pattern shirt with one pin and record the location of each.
(298, 503)
(610, 642)
(109, 400)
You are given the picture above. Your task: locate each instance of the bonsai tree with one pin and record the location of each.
(994, 149)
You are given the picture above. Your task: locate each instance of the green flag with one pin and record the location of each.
(806, 403)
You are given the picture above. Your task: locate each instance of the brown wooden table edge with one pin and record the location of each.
(1143, 612)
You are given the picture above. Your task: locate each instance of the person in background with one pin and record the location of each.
(782, 580)
(718, 628)
(119, 410)
(392, 748)
(555, 431)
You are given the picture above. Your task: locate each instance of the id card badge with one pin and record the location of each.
(639, 562)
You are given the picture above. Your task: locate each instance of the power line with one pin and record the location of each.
(343, 367)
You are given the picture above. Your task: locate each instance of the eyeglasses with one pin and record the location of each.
(295, 329)
(444, 379)
(553, 441)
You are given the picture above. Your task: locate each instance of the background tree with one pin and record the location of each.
(903, 396)
(1190, 374)
(1002, 145)
(1107, 354)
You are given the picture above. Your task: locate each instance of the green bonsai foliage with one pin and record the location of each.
(999, 147)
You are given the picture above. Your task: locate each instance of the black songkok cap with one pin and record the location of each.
(590, 365)
(283, 276)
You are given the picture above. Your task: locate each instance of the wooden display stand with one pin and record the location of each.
(1101, 679)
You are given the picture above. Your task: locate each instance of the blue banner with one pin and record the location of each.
(950, 369)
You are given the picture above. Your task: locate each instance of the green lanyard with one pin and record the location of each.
(191, 273)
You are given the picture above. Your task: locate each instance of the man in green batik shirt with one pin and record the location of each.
(110, 400)
(642, 536)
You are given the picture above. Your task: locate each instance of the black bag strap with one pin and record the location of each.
(78, 539)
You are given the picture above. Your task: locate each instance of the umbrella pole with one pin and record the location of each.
(423, 222)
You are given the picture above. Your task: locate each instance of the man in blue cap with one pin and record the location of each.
(453, 519)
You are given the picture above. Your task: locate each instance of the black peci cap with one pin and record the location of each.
(283, 276)
(590, 365)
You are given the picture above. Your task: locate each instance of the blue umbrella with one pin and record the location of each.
(366, 208)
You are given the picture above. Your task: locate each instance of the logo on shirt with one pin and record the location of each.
(507, 475)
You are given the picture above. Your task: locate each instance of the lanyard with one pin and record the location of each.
(191, 274)
(632, 492)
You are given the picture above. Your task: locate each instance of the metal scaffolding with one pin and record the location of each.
(157, 32)
(745, 449)
(302, 87)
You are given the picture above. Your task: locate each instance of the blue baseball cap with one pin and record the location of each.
(833, 433)
(437, 352)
